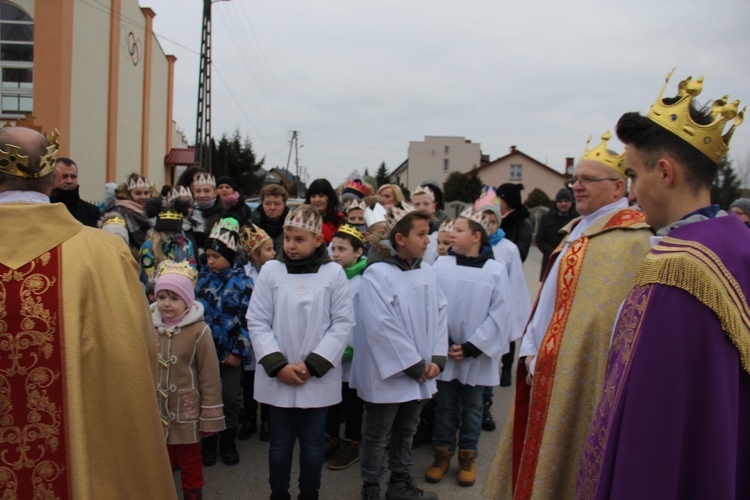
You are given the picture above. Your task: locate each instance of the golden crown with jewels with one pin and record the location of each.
(252, 237)
(477, 217)
(352, 231)
(179, 268)
(313, 222)
(708, 139)
(601, 155)
(12, 162)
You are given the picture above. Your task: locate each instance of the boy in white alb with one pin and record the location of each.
(479, 303)
(300, 316)
(400, 347)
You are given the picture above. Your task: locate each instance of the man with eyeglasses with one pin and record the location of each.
(566, 342)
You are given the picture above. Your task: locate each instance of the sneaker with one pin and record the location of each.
(402, 487)
(370, 491)
(422, 436)
(440, 465)
(330, 448)
(347, 454)
(488, 423)
(467, 468)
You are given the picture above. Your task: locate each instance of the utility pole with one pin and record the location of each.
(293, 146)
(203, 119)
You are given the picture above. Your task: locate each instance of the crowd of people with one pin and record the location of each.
(633, 378)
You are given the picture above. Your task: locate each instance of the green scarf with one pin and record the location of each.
(356, 269)
(308, 265)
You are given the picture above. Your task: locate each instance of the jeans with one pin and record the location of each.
(231, 393)
(392, 426)
(450, 397)
(351, 407)
(286, 425)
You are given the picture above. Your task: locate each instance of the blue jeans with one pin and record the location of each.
(286, 425)
(449, 398)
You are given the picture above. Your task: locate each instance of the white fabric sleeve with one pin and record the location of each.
(492, 335)
(260, 319)
(334, 341)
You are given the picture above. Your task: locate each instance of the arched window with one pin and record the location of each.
(16, 61)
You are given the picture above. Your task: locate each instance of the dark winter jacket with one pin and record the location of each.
(517, 228)
(548, 235)
(274, 227)
(84, 212)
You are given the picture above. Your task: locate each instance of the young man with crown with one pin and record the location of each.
(565, 344)
(400, 347)
(224, 290)
(301, 319)
(78, 361)
(674, 418)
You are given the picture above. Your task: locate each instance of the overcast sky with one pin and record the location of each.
(359, 80)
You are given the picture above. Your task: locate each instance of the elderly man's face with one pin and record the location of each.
(596, 186)
(68, 176)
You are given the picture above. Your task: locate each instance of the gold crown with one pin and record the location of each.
(396, 213)
(313, 223)
(357, 205)
(601, 155)
(170, 215)
(424, 190)
(180, 268)
(12, 162)
(477, 217)
(115, 220)
(178, 192)
(139, 182)
(252, 237)
(675, 117)
(352, 231)
(204, 180)
(447, 226)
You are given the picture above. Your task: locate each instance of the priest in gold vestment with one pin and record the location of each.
(78, 416)
(566, 341)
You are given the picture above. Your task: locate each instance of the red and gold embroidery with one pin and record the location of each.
(33, 442)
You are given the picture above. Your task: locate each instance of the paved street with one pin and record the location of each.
(249, 479)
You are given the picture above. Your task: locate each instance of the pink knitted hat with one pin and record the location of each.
(177, 277)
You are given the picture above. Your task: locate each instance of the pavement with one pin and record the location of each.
(249, 479)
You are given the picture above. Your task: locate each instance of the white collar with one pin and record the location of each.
(15, 196)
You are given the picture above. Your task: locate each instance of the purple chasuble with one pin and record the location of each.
(674, 418)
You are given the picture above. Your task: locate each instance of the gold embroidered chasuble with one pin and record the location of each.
(595, 275)
(78, 414)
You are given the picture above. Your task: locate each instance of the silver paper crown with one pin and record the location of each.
(424, 190)
(357, 205)
(312, 223)
(374, 215)
(204, 180)
(477, 217)
(178, 192)
(447, 226)
(396, 213)
(138, 183)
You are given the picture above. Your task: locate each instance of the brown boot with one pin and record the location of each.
(440, 465)
(467, 468)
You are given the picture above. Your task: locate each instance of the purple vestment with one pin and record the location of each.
(674, 418)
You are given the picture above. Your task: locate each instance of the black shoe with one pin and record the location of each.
(330, 447)
(264, 435)
(281, 495)
(228, 447)
(208, 449)
(505, 378)
(307, 495)
(422, 436)
(370, 491)
(247, 430)
(488, 423)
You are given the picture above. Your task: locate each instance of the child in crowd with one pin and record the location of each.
(444, 237)
(348, 249)
(355, 215)
(424, 199)
(224, 290)
(167, 240)
(188, 384)
(400, 347)
(478, 293)
(258, 247)
(131, 198)
(301, 318)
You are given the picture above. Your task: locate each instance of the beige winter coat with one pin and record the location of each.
(189, 385)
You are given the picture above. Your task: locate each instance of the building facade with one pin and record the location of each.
(435, 158)
(95, 72)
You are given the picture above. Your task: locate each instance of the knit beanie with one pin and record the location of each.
(511, 193)
(224, 238)
(225, 179)
(177, 277)
(743, 204)
(563, 194)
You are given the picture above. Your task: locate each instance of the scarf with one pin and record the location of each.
(308, 265)
(496, 237)
(356, 269)
(485, 254)
(231, 200)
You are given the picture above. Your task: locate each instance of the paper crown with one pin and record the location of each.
(396, 213)
(12, 162)
(313, 222)
(446, 226)
(178, 192)
(114, 220)
(489, 198)
(424, 190)
(177, 268)
(170, 215)
(356, 186)
(227, 231)
(601, 155)
(251, 238)
(352, 231)
(139, 182)
(477, 217)
(357, 205)
(374, 215)
(707, 139)
(204, 180)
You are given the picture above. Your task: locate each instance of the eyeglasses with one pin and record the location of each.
(585, 180)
